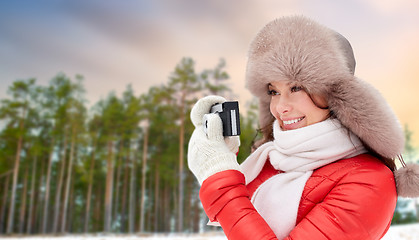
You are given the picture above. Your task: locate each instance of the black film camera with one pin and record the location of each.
(229, 114)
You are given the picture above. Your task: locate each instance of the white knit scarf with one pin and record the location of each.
(297, 153)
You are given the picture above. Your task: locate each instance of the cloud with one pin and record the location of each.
(391, 7)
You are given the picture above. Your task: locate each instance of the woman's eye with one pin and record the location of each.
(296, 89)
(272, 92)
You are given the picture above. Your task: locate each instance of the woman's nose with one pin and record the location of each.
(283, 105)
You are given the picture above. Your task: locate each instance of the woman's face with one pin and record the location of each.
(293, 107)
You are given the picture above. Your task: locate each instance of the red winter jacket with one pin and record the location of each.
(349, 199)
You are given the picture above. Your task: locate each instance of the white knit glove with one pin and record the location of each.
(209, 153)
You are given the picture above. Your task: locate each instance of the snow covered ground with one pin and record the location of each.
(401, 232)
(175, 236)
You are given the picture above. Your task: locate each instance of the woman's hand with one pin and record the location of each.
(210, 152)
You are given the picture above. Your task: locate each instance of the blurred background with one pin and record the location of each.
(95, 101)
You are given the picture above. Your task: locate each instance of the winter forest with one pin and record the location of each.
(119, 166)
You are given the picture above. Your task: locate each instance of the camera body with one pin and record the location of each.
(229, 114)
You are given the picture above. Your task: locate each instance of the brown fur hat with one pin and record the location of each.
(322, 61)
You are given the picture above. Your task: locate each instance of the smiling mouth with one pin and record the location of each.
(293, 121)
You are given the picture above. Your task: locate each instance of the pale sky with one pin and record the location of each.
(115, 43)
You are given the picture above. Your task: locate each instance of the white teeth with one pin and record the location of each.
(292, 121)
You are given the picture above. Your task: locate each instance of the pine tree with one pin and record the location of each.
(111, 111)
(183, 83)
(16, 112)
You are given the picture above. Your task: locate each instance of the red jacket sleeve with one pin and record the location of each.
(226, 200)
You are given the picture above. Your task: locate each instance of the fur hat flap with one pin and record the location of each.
(363, 110)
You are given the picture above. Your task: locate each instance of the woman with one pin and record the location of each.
(324, 167)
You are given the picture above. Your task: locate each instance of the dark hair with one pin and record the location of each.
(267, 135)
(390, 163)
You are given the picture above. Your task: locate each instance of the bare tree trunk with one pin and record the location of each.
(89, 189)
(171, 203)
(32, 199)
(98, 208)
(197, 216)
(124, 197)
(15, 176)
(23, 204)
(149, 214)
(37, 218)
(156, 196)
(139, 197)
(109, 187)
(166, 208)
(131, 211)
(175, 192)
(59, 186)
(117, 184)
(181, 143)
(47, 189)
(68, 181)
(188, 202)
(143, 179)
(69, 224)
(4, 201)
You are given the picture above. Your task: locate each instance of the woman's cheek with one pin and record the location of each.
(272, 109)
